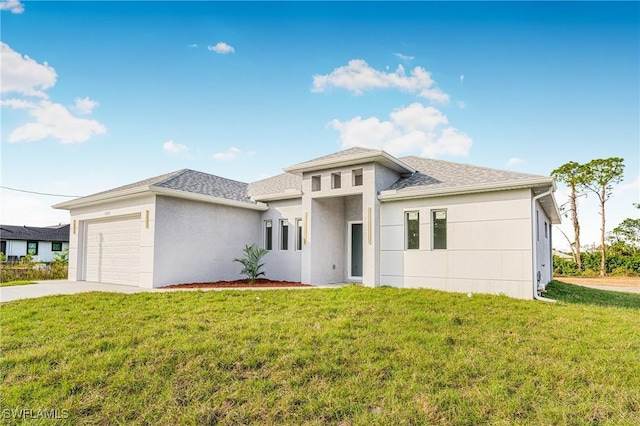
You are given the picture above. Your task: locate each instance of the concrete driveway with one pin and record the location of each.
(48, 288)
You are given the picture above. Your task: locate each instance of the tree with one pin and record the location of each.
(569, 174)
(599, 176)
(627, 233)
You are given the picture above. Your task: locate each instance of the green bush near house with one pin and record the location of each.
(252, 267)
(353, 355)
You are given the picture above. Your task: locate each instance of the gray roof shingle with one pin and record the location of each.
(58, 233)
(439, 174)
(205, 184)
(275, 185)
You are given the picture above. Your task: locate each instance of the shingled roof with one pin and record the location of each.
(275, 185)
(441, 175)
(58, 233)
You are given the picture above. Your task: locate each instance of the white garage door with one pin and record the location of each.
(113, 251)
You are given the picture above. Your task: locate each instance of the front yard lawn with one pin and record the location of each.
(336, 356)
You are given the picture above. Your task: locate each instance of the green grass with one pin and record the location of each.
(19, 282)
(590, 296)
(336, 356)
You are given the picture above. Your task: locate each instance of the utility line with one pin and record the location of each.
(39, 193)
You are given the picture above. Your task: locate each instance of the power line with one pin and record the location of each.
(40, 193)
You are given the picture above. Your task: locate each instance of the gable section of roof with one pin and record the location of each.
(59, 233)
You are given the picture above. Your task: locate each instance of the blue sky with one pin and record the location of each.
(101, 94)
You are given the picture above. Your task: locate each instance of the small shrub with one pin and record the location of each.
(252, 267)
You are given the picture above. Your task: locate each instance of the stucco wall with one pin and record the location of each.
(283, 264)
(543, 246)
(488, 244)
(197, 242)
(112, 210)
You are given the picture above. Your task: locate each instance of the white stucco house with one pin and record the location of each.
(41, 242)
(358, 215)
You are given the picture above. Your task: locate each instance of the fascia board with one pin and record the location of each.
(101, 198)
(207, 199)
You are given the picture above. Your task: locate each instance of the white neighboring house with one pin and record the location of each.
(43, 243)
(356, 215)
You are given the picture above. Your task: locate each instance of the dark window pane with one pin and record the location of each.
(439, 229)
(268, 235)
(413, 230)
(284, 236)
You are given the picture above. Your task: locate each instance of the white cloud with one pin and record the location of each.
(174, 148)
(514, 162)
(357, 76)
(193, 45)
(53, 120)
(414, 129)
(13, 6)
(232, 153)
(25, 77)
(462, 78)
(634, 185)
(404, 57)
(21, 74)
(222, 48)
(85, 105)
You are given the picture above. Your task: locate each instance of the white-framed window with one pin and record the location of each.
(439, 229)
(299, 234)
(412, 230)
(357, 177)
(268, 234)
(284, 234)
(336, 180)
(316, 184)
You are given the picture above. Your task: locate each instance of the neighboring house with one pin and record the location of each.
(43, 243)
(357, 215)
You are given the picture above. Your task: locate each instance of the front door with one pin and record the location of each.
(355, 261)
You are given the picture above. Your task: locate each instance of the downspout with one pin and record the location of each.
(534, 246)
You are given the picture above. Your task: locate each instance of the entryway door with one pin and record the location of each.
(355, 249)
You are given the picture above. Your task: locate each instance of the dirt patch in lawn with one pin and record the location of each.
(603, 281)
(261, 282)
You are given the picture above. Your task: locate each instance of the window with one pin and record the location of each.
(32, 247)
(357, 177)
(439, 229)
(56, 246)
(284, 235)
(268, 234)
(336, 180)
(413, 230)
(546, 232)
(298, 234)
(315, 183)
(3, 247)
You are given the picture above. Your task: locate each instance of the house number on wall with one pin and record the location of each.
(107, 213)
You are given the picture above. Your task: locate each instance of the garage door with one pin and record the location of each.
(113, 251)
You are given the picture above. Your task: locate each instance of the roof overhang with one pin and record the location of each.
(536, 185)
(289, 194)
(380, 157)
(96, 199)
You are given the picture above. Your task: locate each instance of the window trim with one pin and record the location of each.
(336, 180)
(316, 183)
(433, 229)
(36, 250)
(299, 241)
(406, 229)
(357, 173)
(53, 248)
(268, 235)
(283, 241)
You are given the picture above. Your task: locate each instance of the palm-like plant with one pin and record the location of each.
(252, 267)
